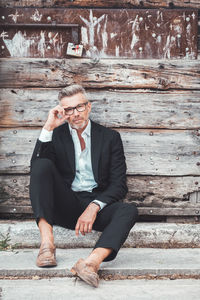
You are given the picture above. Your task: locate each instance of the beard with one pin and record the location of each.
(79, 126)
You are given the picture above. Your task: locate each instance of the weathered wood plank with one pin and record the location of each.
(122, 73)
(148, 152)
(101, 3)
(143, 211)
(145, 191)
(14, 210)
(104, 33)
(14, 190)
(164, 192)
(169, 211)
(130, 108)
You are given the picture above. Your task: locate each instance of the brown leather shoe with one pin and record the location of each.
(85, 272)
(46, 257)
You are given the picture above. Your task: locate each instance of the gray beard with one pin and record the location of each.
(78, 126)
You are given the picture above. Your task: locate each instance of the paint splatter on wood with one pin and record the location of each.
(104, 33)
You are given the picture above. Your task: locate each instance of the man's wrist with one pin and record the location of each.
(45, 135)
(100, 203)
(48, 127)
(96, 206)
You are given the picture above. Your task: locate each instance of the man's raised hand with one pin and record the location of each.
(55, 118)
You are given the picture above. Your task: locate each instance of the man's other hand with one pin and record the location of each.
(86, 220)
(56, 118)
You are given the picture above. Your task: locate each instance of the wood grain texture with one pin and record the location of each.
(101, 3)
(148, 152)
(121, 108)
(132, 74)
(104, 33)
(145, 191)
(13, 211)
(164, 196)
(157, 191)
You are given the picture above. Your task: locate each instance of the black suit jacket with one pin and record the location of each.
(107, 155)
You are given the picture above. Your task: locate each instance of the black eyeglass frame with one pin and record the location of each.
(76, 107)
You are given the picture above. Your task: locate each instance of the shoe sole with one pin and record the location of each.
(46, 265)
(76, 273)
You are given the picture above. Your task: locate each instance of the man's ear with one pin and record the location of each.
(89, 106)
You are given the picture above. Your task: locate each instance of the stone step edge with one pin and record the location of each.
(107, 274)
(25, 234)
(130, 263)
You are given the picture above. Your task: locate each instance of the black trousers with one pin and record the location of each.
(52, 200)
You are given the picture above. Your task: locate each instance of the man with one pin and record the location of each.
(78, 177)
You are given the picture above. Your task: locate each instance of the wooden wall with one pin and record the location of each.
(154, 104)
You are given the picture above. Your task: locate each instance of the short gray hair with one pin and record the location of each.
(71, 90)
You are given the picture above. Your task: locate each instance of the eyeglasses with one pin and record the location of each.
(80, 107)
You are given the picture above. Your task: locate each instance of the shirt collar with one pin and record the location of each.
(86, 131)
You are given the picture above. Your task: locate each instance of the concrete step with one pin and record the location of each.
(70, 289)
(169, 235)
(130, 263)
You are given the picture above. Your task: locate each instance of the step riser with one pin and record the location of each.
(108, 274)
(163, 235)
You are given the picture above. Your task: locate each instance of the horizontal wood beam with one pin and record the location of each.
(145, 191)
(147, 211)
(101, 3)
(115, 73)
(152, 211)
(129, 33)
(121, 108)
(148, 152)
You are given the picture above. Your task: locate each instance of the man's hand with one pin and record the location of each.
(55, 118)
(86, 220)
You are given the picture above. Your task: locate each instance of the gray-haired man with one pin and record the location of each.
(78, 177)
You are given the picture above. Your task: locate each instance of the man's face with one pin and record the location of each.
(77, 120)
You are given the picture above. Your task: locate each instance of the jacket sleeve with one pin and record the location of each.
(43, 150)
(116, 188)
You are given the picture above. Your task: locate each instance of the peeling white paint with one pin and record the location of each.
(177, 28)
(193, 16)
(91, 24)
(135, 38)
(4, 34)
(104, 37)
(117, 51)
(36, 16)
(98, 28)
(18, 46)
(158, 39)
(179, 40)
(160, 16)
(167, 48)
(112, 35)
(170, 43)
(15, 16)
(84, 35)
(41, 44)
(188, 29)
(53, 38)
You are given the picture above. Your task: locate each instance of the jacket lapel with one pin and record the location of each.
(68, 146)
(96, 142)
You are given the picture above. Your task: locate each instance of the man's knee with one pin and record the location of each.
(42, 167)
(130, 210)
